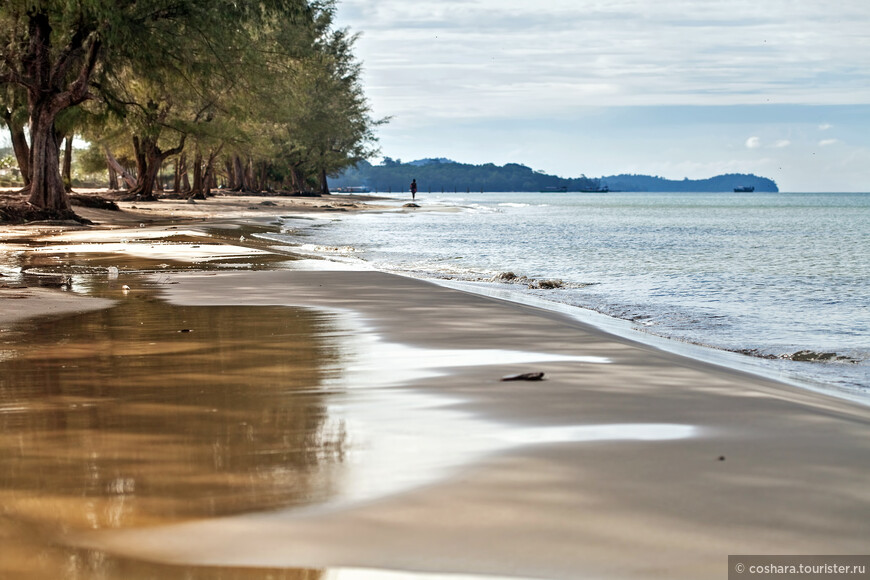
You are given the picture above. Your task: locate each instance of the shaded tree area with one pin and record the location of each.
(254, 95)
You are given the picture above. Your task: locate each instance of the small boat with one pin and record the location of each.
(744, 189)
(561, 189)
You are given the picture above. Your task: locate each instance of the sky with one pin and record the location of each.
(676, 88)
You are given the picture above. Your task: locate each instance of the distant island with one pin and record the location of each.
(445, 175)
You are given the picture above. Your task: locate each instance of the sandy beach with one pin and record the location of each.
(625, 462)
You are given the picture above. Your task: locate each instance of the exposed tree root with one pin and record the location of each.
(18, 211)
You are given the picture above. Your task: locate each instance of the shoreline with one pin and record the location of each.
(765, 468)
(815, 349)
(720, 357)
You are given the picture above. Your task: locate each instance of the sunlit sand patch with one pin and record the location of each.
(604, 432)
(146, 242)
(109, 235)
(161, 251)
(325, 265)
(408, 363)
(400, 438)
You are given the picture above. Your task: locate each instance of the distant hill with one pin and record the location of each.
(450, 176)
(720, 183)
(446, 175)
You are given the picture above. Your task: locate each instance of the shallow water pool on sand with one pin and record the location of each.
(146, 413)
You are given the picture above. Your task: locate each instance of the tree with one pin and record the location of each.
(13, 111)
(50, 50)
(337, 129)
(146, 121)
(55, 49)
(168, 73)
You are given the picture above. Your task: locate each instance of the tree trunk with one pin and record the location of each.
(238, 180)
(324, 186)
(249, 176)
(113, 175)
(22, 152)
(19, 145)
(47, 95)
(228, 167)
(176, 181)
(144, 189)
(209, 177)
(67, 163)
(261, 181)
(119, 170)
(181, 182)
(207, 181)
(46, 186)
(149, 158)
(295, 179)
(197, 191)
(158, 181)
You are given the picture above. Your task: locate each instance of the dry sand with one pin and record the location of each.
(665, 465)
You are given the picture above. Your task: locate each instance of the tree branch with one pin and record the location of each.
(66, 58)
(79, 88)
(11, 75)
(119, 169)
(108, 96)
(78, 92)
(175, 150)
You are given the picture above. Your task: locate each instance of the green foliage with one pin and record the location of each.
(311, 117)
(91, 160)
(8, 169)
(269, 81)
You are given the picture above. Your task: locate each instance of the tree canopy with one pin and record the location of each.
(268, 92)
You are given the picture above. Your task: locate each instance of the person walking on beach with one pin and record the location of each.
(413, 189)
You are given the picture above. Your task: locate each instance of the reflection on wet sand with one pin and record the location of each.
(148, 413)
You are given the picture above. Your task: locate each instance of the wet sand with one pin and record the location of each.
(409, 453)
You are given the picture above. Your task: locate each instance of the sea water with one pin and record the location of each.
(773, 276)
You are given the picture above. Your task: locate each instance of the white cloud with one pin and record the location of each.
(490, 70)
(557, 56)
(828, 142)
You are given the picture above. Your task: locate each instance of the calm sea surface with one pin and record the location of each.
(768, 275)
